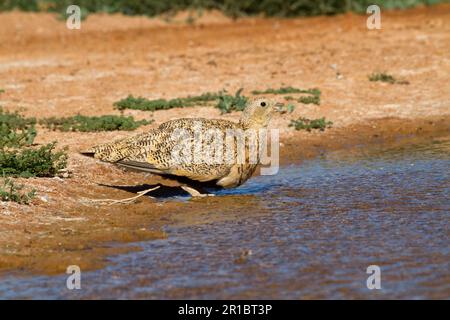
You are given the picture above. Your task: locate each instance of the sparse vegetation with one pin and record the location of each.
(15, 130)
(228, 103)
(290, 108)
(43, 161)
(162, 104)
(234, 8)
(310, 100)
(308, 124)
(224, 101)
(17, 157)
(2, 91)
(93, 124)
(384, 77)
(10, 191)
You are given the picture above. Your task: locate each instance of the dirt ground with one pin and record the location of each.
(47, 70)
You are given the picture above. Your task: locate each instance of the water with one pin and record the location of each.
(309, 232)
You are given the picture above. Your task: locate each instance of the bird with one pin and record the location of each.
(197, 152)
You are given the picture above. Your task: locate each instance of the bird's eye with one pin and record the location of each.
(263, 104)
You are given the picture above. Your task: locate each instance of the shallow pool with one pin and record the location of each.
(309, 232)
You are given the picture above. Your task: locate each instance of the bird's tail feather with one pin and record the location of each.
(140, 166)
(90, 154)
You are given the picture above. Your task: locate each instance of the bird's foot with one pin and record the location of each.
(196, 193)
(111, 202)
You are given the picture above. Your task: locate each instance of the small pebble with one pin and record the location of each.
(44, 198)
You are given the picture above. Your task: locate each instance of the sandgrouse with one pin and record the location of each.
(174, 151)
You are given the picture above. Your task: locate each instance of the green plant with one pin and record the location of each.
(2, 90)
(16, 130)
(9, 191)
(310, 100)
(384, 77)
(234, 8)
(228, 103)
(290, 108)
(33, 162)
(308, 124)
(18, 159)
(224, 101)
(93, 124)
(162, 104)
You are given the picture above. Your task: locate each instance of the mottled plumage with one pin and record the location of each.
(202, 162)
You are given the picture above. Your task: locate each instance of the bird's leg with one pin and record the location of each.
(124, 201)
(195, 193)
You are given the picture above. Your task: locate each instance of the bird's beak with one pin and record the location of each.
(280, 107)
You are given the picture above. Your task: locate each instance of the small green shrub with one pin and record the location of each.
(228, 103)
(384, 77)
(16, 138)
(309, 100)
(308, 124)
(224, 101)
(162, 104)
(33, 162)
(93, 124)
(234, 8)
(2, 91)
(9, 191)
(17, 133)
(16, 130)
(290, 108)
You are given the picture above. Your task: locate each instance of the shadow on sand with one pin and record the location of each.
(163, 192)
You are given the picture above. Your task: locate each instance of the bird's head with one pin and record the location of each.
(259, 111)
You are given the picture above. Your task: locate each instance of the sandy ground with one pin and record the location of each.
(48, 70)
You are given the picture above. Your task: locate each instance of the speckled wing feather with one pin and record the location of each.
(153, 151)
